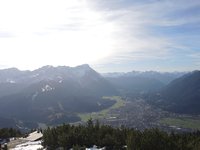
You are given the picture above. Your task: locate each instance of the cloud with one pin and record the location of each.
(195, 56)
(151, 30)
(52, 32)
(129, 33)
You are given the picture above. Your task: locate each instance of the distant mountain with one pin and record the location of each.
(135, 84)
(181, 95)
(52, 94)
(164, 77)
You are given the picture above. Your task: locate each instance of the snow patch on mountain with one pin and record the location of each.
(47, 88)
(34, 96)
(60, 79)
(10, 81)
(35, 75)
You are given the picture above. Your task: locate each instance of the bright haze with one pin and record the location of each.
(110, 35)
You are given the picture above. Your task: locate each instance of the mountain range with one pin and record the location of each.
(136, 83)
(53, 95)
(163, 77)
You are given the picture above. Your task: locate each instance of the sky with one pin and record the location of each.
(109, 35)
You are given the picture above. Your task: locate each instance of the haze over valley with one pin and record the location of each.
(55, 95)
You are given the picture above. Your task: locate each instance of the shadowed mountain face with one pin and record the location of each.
(136, 83)
(181, 95)
(52, 94)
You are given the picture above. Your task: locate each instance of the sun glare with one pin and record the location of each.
(66, 33)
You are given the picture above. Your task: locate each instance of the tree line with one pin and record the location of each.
(9, 132)
(78, 137)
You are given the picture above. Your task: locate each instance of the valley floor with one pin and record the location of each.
(137, 113)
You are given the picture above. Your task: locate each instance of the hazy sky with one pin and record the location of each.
(110, 35)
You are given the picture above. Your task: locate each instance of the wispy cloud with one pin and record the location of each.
(148, 31)
(195, 58)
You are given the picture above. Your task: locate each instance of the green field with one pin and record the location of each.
(103, 113)
(182, 122)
